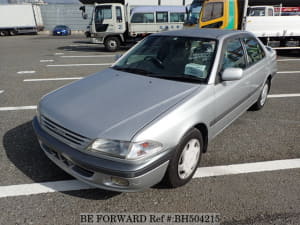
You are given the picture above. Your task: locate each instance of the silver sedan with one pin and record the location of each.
(151, 115)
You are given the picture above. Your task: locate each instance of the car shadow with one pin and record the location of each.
(289, 53)
(23, 150)
(92, 48)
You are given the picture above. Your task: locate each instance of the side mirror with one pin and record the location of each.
(231, 74)
(82, 8)
(119, 18)
(83, 14)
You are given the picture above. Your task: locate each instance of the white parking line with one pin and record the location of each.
(285, 60)
(288, 72)
(72, 65)
(39, 188)
(27, 72)
(202, 172)
(53, 79)
(1, 91)
(46, 60)
(247, 168)
(17, 108)
(59, 53)
(284, 96)
(86, 56)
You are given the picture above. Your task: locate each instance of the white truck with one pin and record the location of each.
(20, 19)
(118, 22)
(274, 29)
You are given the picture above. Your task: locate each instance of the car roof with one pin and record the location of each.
(203, 33)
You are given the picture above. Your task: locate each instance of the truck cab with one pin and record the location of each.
(108, 20)
(261, 11)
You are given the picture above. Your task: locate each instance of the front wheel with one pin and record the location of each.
(112, 44)
(185, 160)
(262, 98)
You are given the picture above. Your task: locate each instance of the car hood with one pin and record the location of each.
(112, 104)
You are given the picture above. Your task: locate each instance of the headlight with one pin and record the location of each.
(125, 149)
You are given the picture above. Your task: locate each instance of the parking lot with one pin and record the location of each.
(250, 174)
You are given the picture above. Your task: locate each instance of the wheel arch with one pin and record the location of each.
(204, 131)
(119, 36)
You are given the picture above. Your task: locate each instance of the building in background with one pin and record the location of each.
(58, 12)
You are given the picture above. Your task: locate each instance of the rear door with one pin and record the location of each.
(257, 66)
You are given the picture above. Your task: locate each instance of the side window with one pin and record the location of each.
(176, 17)
(119, 14)
(254, 50)
(234, 55)
(212, 11)
(161, 17)
(270, 12)
(142, 18)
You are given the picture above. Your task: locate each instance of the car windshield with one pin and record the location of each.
(177, 58)
(60, 27)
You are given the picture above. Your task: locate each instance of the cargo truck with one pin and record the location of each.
(275, 30)
(119, 22)
(20, 19)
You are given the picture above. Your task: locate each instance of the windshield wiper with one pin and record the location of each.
(132, 70)
(186, 78)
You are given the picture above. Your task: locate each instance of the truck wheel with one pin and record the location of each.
(185, 160)
(112, 44)
(12, 32)
(3, 33)
(262, 97)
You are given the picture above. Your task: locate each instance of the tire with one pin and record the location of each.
(3, 33)
(180, 172)
(112, 44)
(261, 101)
(12, 32)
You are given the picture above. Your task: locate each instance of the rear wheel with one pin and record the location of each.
(3, 33)
(186, 159)
(12, 32)
(262, 98)
(112, 44)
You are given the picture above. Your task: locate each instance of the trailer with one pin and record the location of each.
(120, 22)
(265, 21)
(20, 19)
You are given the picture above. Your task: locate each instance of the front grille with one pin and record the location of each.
(66, 136)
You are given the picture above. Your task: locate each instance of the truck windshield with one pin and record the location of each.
(102, 13)
(170, 57)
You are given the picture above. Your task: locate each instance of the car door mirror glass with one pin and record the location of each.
(231, 74)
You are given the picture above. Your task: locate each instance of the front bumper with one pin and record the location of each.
(100, 172)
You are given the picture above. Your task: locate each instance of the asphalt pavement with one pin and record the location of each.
(32, 66)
